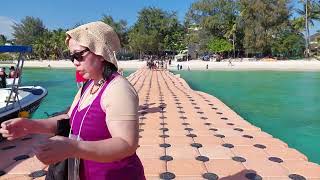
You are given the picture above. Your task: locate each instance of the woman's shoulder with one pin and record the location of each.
(120, 84)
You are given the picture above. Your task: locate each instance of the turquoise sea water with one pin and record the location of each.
(284, 104)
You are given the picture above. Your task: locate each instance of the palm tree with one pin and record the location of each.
(309, 14)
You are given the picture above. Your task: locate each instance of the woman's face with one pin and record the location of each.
(91, 66)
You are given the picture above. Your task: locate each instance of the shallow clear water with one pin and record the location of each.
(284, 104)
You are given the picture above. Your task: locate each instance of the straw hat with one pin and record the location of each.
(99, 37)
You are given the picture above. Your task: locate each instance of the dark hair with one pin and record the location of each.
(109, 69)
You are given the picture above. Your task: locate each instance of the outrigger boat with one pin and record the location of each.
(15, 99)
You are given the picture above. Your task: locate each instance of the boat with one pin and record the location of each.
(17, 100)
(27, 100)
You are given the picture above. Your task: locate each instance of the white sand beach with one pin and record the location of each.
(292, 65)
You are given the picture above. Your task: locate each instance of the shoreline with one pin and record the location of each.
(291, 65)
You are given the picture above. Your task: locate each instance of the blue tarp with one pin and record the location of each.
(18, 49)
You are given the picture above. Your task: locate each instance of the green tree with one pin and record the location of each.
(215, 16)
(289, 44)
(155, 31)
(120, 27)
(57, 43)
(219, 45)
(3, 39)
(42, 46)
(50, 45)
(261, 20)
(30, 29)
(313, 12)
(214, 19)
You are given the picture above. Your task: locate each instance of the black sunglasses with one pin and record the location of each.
(78, 55)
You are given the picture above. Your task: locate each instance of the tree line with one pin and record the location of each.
(238, 28)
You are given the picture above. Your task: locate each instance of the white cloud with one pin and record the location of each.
(5, 26)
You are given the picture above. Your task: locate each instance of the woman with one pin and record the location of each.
(104, 125)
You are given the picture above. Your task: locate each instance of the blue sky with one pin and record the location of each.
(66, 13)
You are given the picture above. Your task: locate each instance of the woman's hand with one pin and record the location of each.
(16, 128)
(56, 149)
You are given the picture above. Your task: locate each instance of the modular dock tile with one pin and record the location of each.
(186, 167)
(153, 167)
(266, 168)
(303, 168)
(25, 167)
(182, 152)
(224, 167)
(188, 135)
(150, 151)
(15, 177)
(216, 151)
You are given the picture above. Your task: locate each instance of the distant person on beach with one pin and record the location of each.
(79, 79)
(207, 66)
(103, 137)
(3, 77)
(178, 67)
(3, 72)
(230, 63)
(13, 73)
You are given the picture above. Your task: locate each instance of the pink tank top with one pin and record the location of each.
(94, 128)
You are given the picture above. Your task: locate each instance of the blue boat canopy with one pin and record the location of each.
(18, 49)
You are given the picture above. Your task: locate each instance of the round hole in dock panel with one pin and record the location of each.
(260, 146)
(220, 135)
(247, 136)
(164, 136)
(210, 176)
(238, 129)
(167, 176)
(296, 177)
(275, 159)
(165, 145)
(213, 129)
(196, 145)
(202, 158)
(37, 174)
(227, 145)
(166, 158)
(191, 135)
(253, 176)
(21, 157)
(239, 159)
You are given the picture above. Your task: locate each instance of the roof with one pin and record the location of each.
(315, 36)
(19, 49)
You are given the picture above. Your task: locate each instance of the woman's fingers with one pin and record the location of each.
(4, 131)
